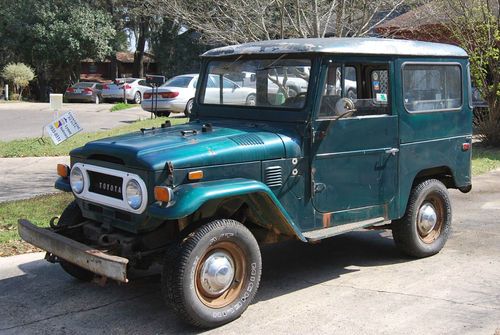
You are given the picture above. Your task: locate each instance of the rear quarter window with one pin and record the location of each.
(432, 87)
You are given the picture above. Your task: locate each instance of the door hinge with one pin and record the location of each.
(319, 187)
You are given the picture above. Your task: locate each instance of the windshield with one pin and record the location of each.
(275, 82)
(83, 85)
(181, 81)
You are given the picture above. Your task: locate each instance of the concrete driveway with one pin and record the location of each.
(25, 119)
(356, 283)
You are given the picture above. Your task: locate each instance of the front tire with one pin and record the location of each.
(213, 275)
(72, 216)
(425, 227)
(251, 100)
(97, 100)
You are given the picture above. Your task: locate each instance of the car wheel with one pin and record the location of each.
(162, 114)
(251, 100)
(425, 227)
(137, 97)
(97, 100)
(72, 216)
(213, 275)
(189, 108)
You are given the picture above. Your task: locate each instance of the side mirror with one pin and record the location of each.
(253, 77)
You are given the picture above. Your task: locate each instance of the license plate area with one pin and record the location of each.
(105, 184)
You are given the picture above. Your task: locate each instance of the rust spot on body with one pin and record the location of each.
(327, 220)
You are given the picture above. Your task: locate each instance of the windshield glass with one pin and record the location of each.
(181, 81)
(274, 82)
(83, 85)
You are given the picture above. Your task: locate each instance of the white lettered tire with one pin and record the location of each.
(212, 276)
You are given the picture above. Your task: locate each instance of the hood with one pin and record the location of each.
(188, 146)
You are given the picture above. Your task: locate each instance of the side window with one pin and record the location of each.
(228, 83)
(360, 88)
(428, 87)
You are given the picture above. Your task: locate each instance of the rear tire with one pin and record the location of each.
(71, 216)
(97, 100)
(251, 100)
(213, 275)
(137, 97)
(189, 108)
(425, 227)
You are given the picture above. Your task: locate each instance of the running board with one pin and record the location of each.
(320, 234)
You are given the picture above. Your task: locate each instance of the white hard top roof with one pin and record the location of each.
(334, 45)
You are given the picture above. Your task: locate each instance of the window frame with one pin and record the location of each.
(456, 109)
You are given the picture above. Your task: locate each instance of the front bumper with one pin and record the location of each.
(91, 259)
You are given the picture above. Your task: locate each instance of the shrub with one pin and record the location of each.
(19, 75)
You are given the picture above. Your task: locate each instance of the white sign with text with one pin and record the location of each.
(63, 128)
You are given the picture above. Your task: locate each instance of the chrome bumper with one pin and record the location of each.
(110, 266)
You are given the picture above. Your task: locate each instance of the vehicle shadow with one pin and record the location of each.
(44, 299)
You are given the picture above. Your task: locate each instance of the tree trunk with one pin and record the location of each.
(141, 46)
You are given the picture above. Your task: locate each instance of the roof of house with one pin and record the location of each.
(365, 46)
(124, 57)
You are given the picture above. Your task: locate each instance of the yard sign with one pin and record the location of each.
(63, 128)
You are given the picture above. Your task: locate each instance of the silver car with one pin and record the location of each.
(133, 88)
(84, 92)
(177, 94)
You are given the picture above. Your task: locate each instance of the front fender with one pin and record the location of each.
(190, 197)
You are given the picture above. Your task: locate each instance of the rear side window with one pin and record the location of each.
(428, 87)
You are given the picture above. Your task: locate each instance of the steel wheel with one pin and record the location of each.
(219, 275)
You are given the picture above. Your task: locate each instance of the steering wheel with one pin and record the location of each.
(295, 98)
(344, 106)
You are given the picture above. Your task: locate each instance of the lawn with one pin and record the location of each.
(484, 159)
(121, 106)
(38, 210)
(30, 147)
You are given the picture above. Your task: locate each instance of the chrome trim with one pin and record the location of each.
(108, 201)
(319, 234)
(457, 109)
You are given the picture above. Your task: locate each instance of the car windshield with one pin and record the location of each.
(121, 81)
(181, 81)
(83, 85)
(274, 82)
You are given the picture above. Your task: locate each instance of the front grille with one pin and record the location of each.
(105, 184)
(273, 176)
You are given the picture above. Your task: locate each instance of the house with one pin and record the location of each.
(109, 69)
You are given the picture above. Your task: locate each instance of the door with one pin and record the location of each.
(355, 146)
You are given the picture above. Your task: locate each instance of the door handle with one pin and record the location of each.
(392, 151)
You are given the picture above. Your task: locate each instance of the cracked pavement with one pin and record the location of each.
(357, 283)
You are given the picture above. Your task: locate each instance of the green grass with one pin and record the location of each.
(30, 147)
(38, 210)
(121, 106)
(484, 160)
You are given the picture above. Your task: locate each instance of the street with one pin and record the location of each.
(26, 119)
(356, 283)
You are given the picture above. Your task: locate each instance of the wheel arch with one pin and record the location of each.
(442, 173)
(247, 201)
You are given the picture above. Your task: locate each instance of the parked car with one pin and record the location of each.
(134, 90)
(84, 92)
(177, 95)
(199, 199)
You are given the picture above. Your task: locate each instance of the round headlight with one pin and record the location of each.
(76, 180)
(133, 194)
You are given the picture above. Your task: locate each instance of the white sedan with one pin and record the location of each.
(177, 95)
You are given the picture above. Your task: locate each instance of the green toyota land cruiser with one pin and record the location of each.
(291, 139)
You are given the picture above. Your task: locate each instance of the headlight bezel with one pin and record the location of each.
(75, 173)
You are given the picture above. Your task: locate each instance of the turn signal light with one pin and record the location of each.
(195, 175)
(63, 170)
(163, 193)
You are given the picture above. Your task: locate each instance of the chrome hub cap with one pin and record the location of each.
(217, 273)
(426, 219)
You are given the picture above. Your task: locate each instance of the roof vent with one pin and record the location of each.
(273, 176)
(247, 139)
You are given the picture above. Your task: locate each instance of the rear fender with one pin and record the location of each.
(190, 198)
